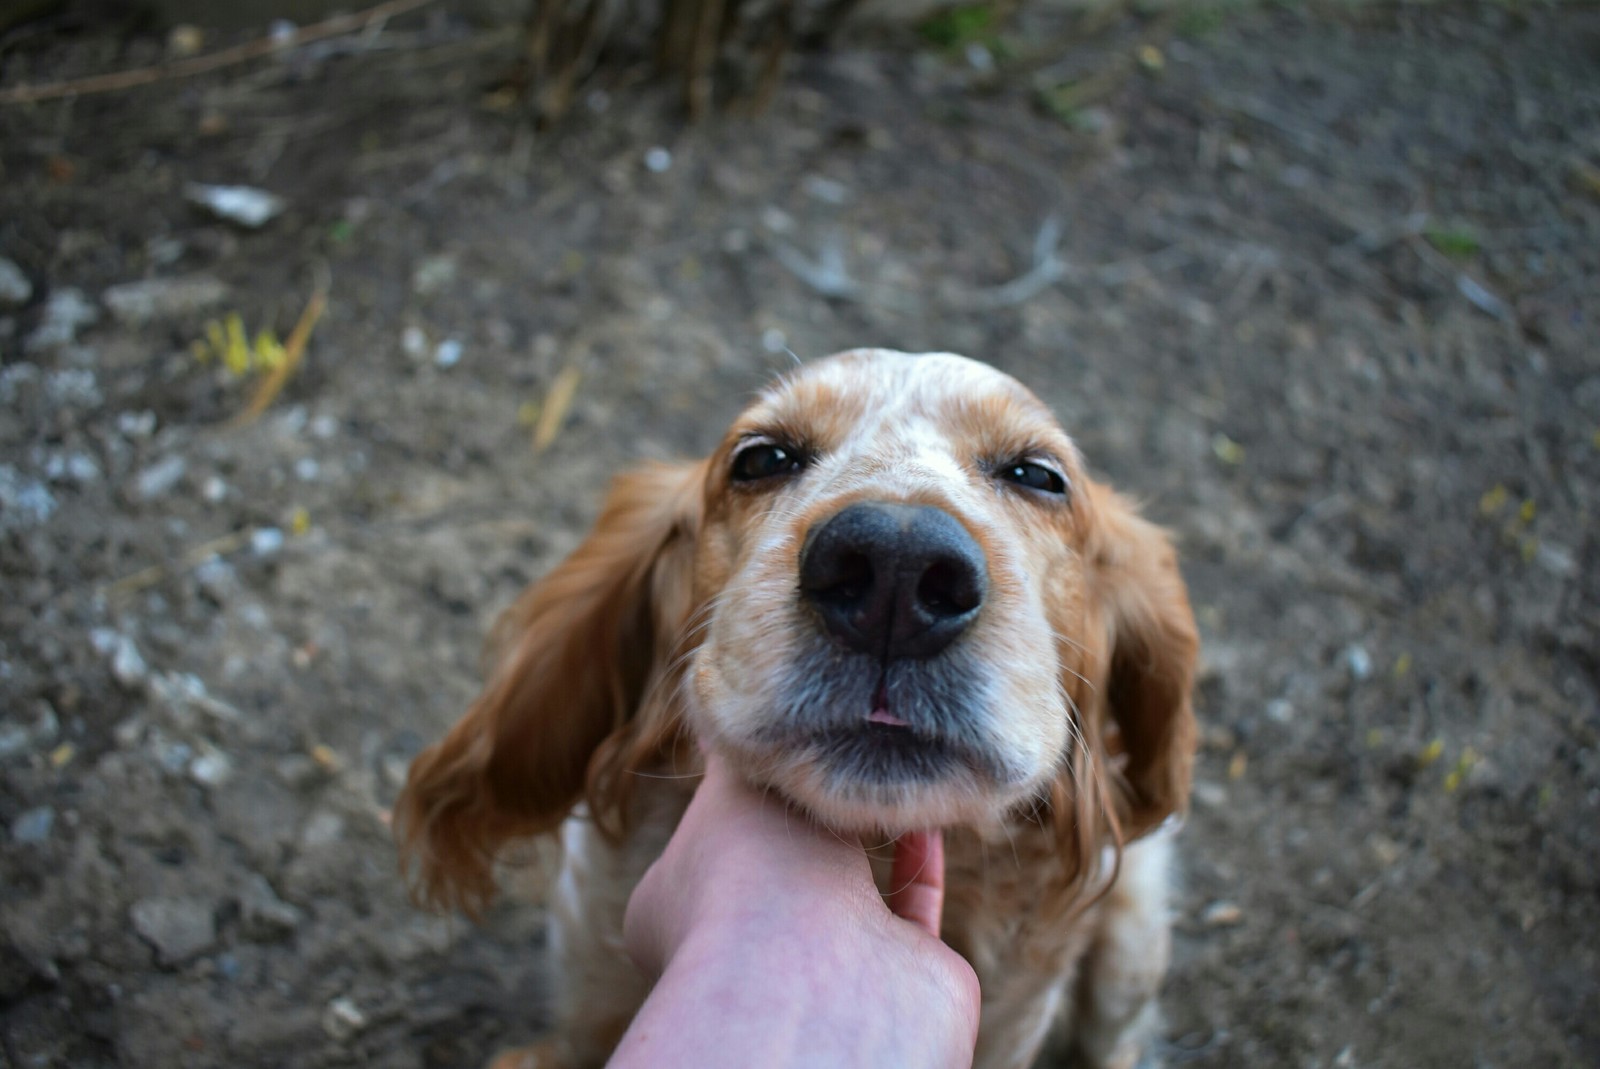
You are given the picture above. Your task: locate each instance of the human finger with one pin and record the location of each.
(916, 880)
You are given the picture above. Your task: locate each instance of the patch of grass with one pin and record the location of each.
(959, 27)
(1457, 242)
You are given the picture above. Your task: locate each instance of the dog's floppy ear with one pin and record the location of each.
(560, 718)
(1147, 675)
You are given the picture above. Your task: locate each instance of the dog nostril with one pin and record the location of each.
(852, 578)
(948, 588)
(842, 578)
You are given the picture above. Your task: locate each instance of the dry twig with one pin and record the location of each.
(293, 350)
(227, 57)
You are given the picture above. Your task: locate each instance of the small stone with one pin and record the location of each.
(448, 354)
(73, 388)
(178, 928)
(164, 252)
(297, 770)
(1209, 794)
(263, 916)
(1222, 915)
(128, 666)
(214, 490)
(777, 220)
(217, 579)
(1359, 662)
(658, 160)
(1557, 560)
(24, 501)
(432, 275)
(17, 378)
(343, 1019)
(1280, 710)
(15, 289)
(137, 425)
(14, 738)
(1385, 849)
(134, 303)
(266, 541)
(211, 768)
(414, 343)
(395, 770)
(773, 340)
(174, 756)
(248, 207)
(826, 190)
(306, 469)
(34, 825)
(323, 829)
(160, 478)
(127, 663)
(66, 313)
(71, 468)
(129, 733)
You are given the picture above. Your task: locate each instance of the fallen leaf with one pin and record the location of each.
(1493, 500)
(1226, 449)
(1464, 765)
(554, 409)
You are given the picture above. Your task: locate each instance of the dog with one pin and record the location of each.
(893, 596)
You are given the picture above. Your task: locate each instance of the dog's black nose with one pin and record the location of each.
(893, 580)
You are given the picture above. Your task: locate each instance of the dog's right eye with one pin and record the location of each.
(765, 460)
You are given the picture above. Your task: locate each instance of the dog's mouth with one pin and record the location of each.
(884, 748)
(880, 715)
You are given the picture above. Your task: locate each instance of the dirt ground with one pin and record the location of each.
(1321, 289)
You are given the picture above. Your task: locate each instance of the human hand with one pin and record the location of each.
(753, 906)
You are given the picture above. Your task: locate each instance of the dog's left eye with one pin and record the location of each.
(765, 460)
(1033, 476)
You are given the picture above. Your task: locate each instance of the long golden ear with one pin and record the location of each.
(1148, 674)
(560, 715)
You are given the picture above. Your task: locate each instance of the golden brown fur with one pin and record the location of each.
(678, 617)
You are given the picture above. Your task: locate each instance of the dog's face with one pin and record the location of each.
(891, 594)
(891, 557)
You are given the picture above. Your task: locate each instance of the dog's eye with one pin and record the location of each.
(765, 460)
(1033, 476)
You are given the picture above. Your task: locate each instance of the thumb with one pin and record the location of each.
(917, 880)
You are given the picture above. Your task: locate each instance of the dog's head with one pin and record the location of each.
(891, 594)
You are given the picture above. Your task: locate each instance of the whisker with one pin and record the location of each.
(913, 879)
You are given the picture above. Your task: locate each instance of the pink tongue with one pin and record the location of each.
(884, 716)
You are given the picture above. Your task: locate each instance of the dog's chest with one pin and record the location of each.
(1002, 911)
